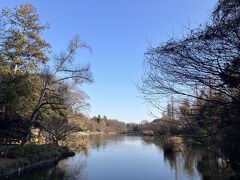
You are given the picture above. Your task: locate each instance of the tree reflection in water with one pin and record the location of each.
(107, 153)
(209, 162)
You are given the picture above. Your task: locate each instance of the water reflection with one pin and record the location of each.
(54, 173)
(131, 157)
(179, 161)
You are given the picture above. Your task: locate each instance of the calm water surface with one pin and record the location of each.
(116, 157)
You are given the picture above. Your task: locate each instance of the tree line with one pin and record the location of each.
(105, 125)
(38, 89)
(201, 72)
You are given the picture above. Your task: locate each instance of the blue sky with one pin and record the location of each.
(118, 32)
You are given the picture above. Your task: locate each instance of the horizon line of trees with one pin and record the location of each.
(103, 124)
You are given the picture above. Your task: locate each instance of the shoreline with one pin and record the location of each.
(10, 172)
(14, 170)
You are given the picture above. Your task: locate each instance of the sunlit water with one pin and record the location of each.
(123, 158)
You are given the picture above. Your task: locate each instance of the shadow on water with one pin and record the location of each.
(54, 173)
(61, 171)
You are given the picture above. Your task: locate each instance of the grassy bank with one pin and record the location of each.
(17, 159)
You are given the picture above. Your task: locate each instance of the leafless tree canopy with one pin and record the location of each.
(58, 84)
(204, 59)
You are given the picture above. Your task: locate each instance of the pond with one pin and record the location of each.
(120, 157)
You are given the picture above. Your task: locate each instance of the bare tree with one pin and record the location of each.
(199, 60)
(203, 66)
(57, 83)
(58, 130)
